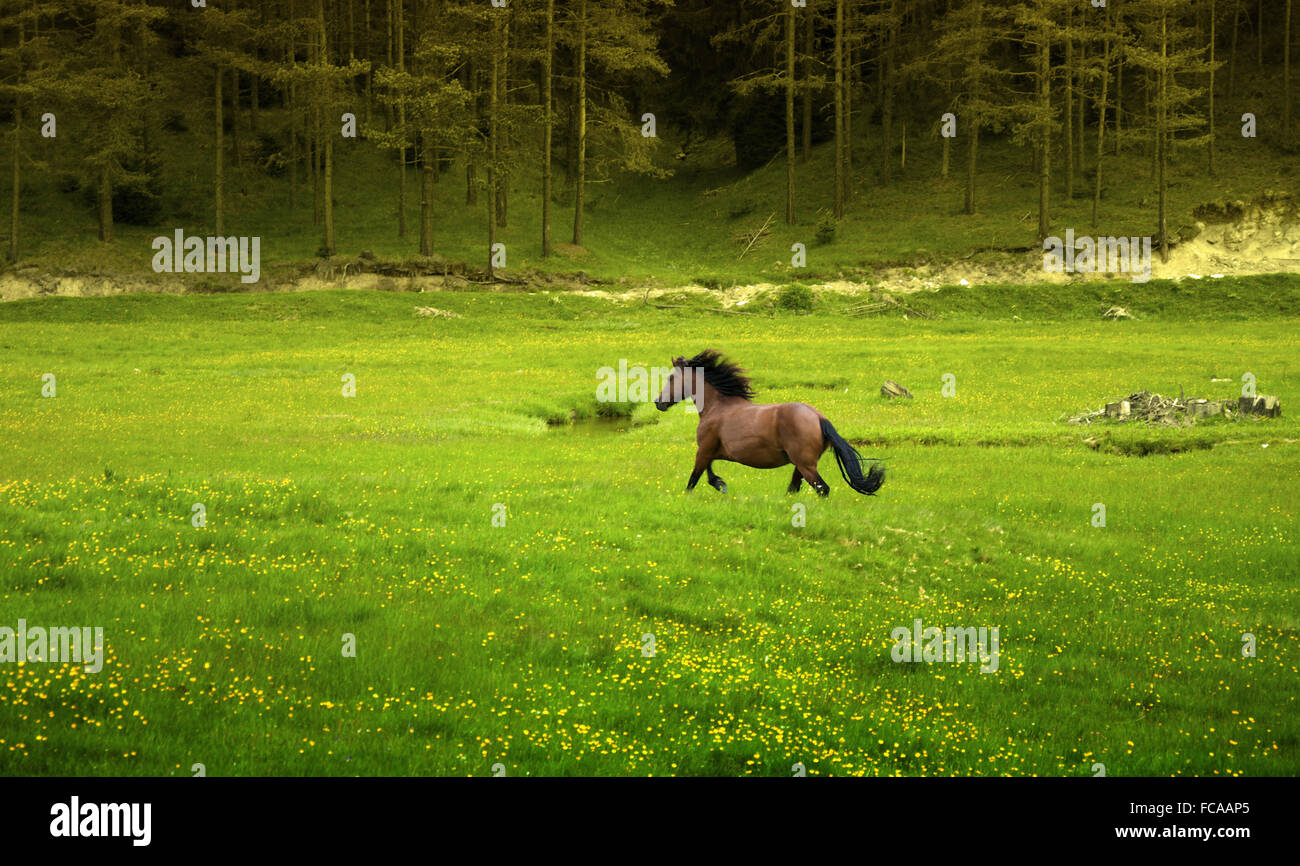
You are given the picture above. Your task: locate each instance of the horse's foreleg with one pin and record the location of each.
(795, 483)
(715, 480)
(702, 462)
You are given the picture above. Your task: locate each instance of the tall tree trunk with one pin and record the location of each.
(1119, 97)
(887, 99)
(472, 77)
(220, 150)
(1068, 87)
(328, 185)
(972, 145)
(17, 181)
(388, 57)
(491, 191)
(289, 95)
(293, 154)
(234, 105)
(848, 107)
(1101, 121)
(973, 139)
(254, 99)
(314, 139)
(327, 167)
(254, 95)
(370, 74)
(428, 174)
(789, 114)
(1045, 138)
(839, 109)
(807, 90)
(105, 204)
(1210, 140)
(503, 141)
(399, 38)
(1232, 57)
(1162, 140)
(946, 143)
(234, 118)
(581, 124)
(1080, 148)
(1286, 75)
(548, 120)
(17, 162)
(1259, 36)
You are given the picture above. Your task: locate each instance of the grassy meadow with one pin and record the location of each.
(522, 644)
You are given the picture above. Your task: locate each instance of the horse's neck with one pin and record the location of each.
(713, 401)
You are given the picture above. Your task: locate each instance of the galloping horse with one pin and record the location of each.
(764, 436)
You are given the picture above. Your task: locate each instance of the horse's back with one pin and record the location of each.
(801, 426)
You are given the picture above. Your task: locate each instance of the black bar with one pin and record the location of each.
(608, 816)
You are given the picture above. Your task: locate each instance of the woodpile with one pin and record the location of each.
(1179, 411)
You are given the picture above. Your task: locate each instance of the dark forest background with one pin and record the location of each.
(541, 118)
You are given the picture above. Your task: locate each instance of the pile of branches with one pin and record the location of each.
(1156, 409)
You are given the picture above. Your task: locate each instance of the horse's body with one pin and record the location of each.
(764, 436)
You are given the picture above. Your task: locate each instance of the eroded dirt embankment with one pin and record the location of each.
(1224, 238)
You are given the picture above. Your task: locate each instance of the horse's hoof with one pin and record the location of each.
(722, 487)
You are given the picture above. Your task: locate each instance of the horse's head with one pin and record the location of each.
(680, 385)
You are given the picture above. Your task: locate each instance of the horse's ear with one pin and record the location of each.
(679, 361)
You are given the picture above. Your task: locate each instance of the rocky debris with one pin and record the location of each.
(1198, 409)
(1116, 313)
(1177, 411)
(892, 389)
(1264, 404)
(435, 313)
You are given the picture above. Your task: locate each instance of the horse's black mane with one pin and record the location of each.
(728, 378)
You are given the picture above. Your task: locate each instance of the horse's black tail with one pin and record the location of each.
(850, 462)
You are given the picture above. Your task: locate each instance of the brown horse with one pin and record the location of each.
(764, 436)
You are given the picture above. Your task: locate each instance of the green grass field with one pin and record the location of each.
(521, 644)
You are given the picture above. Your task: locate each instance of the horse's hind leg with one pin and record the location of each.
(795, 483)
(715, 480)
(814, 480)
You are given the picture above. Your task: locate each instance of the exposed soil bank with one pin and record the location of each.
(1226, 239)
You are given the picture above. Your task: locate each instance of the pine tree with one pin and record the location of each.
(1037, 26)
(1165, 50)
(104, 88)
(28, 68)
(960, 58)
(222, 39)
(772, 35)
(609, 40)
